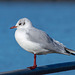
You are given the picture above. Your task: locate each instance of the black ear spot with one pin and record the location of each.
(19, 23)
(24, 23)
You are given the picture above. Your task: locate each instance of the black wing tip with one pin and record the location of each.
(66, 49)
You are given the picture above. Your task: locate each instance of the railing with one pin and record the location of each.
(43, 69)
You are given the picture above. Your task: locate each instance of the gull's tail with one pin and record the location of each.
(70, 51)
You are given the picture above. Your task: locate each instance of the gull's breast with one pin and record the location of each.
(22, 39)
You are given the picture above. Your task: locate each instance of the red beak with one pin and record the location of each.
(13, 27)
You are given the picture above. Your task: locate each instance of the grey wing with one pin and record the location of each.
(39, 36)
(45, 41)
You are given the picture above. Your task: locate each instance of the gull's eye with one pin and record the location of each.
(24, 23)
(19, 23)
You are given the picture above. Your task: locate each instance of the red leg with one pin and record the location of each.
(34, 66)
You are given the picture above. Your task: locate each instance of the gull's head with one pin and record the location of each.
(23, 23)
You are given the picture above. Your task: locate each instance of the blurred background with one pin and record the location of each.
(56, 17)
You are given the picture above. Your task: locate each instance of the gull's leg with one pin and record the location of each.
(34, 66)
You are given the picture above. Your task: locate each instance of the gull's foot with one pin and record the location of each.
(32, 67)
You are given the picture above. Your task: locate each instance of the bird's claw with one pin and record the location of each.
(32, 67)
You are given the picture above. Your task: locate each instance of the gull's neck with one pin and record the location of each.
(28, 25)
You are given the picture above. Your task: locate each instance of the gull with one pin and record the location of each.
(37, 41)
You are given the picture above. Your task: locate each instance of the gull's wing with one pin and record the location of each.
(39, 36)
(46, 42)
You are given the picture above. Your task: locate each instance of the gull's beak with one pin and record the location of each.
(13, 27)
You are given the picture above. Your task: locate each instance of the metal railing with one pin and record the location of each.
(43, 69)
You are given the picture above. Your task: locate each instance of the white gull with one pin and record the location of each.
(37, 41)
